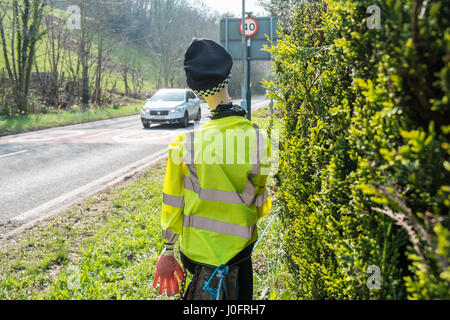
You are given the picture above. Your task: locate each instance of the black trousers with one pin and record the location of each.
(245, 274)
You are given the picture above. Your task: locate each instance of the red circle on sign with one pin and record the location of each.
(254, 23)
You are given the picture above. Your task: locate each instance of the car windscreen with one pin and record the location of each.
(168, 96)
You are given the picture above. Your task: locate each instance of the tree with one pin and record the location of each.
(174, 24)
(23, 21)
(101, 9)
(55, 54)
(84, 48)
(284, 10)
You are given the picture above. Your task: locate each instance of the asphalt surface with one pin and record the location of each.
(43, 171)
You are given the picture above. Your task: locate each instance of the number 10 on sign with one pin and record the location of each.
(251, 27)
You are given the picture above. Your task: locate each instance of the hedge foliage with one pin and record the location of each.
(364, 159)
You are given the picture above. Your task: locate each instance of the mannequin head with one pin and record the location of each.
(208, 71)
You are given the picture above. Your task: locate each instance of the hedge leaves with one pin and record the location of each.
(364, 161)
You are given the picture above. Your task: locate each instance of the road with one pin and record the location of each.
(45, 171)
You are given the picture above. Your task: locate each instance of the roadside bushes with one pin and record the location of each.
(364, 157)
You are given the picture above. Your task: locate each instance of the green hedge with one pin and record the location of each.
(364, 158)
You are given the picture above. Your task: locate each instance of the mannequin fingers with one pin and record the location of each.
(169, 287)
(162, 285)
(175, 285)
(155, 280)
(179, 272)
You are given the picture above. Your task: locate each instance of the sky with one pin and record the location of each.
(235, 6)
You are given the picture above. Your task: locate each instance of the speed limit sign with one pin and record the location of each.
(251, 27)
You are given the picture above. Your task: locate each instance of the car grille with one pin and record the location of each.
(159, 113)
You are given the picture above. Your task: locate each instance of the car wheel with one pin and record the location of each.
(185, 121)
(199, 115)
(146, 125)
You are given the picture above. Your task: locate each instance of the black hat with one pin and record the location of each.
(208, 67)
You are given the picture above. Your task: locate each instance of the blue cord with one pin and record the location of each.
(222, 272)
(267, 227)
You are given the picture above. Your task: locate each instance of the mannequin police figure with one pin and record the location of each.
(212, 208)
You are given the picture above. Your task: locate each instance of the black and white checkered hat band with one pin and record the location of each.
(213, 91)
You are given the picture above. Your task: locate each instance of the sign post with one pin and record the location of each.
(244, 54)
(249, 88)
(250, 29)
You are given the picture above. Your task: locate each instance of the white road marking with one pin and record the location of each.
(131, 137)
(12, 154)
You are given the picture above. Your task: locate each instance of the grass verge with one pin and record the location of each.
(107, 247)
(42, 121)
(104, 248)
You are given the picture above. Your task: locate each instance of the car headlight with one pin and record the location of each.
(177, 109)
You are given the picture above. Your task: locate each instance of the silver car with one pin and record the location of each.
(171, 106)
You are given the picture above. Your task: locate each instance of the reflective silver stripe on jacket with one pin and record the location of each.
(256, 159)
(169, 236)
(214, 195)
(218, 226)
(247, 197)
(189, 160)
(174, 201)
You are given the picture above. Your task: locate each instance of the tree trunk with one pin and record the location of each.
(84, 57)
(98, 79)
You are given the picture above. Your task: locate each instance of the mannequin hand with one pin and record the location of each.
(166, 267)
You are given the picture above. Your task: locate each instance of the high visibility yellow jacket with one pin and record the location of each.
(214, 189)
